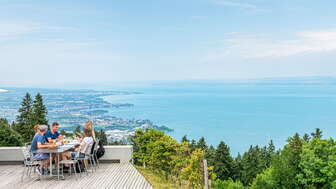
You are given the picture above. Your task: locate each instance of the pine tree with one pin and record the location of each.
(103, 137)
(185, 139)
(286, 162)
(193, 145)
(210, 155)
(39, 111)
(317, 133)
(25, 125)
(201, 144)
(306, 137)
(223, 165)
(253, 163)
(270, 150)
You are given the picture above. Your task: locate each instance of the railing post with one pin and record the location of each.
(206, 175)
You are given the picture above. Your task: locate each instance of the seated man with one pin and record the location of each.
(39, 142)
(53, 133)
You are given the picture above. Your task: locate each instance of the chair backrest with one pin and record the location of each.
(26, 154)
(96, 145)
(88, 149)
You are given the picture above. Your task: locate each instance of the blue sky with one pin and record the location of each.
(83, 41)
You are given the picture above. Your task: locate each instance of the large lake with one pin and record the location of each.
(239, 114)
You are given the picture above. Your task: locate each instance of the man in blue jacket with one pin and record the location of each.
(53, 133)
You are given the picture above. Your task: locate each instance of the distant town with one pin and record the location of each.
(73, 107)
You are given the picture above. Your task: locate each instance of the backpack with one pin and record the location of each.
(101, 151)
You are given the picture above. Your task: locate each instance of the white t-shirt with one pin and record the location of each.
(86, 142)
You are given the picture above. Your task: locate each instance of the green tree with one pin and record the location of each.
(253, 162)
(264, 180)
(318, 164)
(269, 153)
(237, 168)
(228, 184)
(163, 155)
(201, 144)
(317, 133)
(193, 172)
(223, 163)
(142, 142)
(77, 130)
(39, 111)
(286, 162)
(8, 137)
(193, 144)
(24, 121)
(306, 137)
(102, 136)
(185, 139)
(210, 155)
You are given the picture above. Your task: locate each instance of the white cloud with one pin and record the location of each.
(243, 46)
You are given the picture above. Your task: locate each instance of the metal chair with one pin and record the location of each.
(72, 164)
(88, 157)
(28, 162)
(95, 153)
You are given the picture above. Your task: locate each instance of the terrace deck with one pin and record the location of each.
(113, 175)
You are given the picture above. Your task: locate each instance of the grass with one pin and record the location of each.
(158, 181)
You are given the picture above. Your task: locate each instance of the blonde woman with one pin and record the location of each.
(88, 125)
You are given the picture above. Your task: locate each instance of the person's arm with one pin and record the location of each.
(48, 137)
(40, 145)
(59, 137)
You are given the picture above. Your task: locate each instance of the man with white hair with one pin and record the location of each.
(40, 142)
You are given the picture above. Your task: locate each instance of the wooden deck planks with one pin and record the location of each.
(116, 176)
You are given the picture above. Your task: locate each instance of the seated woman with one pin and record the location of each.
(39, 142)
(85, 143)
(88, 125)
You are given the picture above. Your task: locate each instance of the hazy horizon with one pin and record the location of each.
(60, 42)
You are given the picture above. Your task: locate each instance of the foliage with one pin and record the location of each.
(253, 162)
(318, 164)
(223, 162)
(31, 113)
(102, 136)
(8, 137)
(286, 163)
(227, 184)
(264, 180)
(317, 133)
(193, 172)
(39, 111)
(167, 157)
(24, 122)
(77, 130)
(141, 142)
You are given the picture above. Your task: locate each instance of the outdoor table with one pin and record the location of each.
(58, 150)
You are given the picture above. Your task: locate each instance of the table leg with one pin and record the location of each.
(50, 168)
(58, 166)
